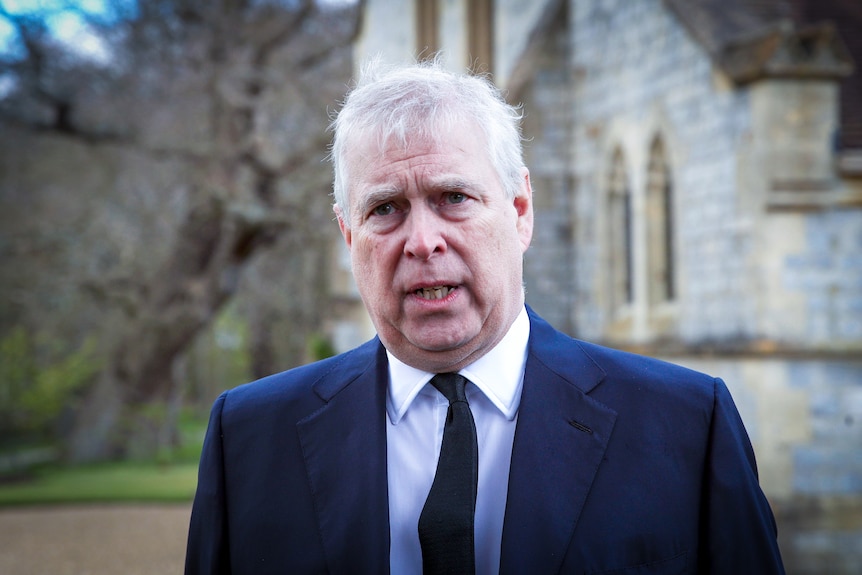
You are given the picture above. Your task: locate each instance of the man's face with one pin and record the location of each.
(436, 246)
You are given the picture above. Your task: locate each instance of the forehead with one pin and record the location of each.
(443, 147)
(406, 134)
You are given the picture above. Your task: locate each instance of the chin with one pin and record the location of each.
(436, 346)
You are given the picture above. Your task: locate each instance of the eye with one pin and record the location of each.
(456, 197)
(383, 209)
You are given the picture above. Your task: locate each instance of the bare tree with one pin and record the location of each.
(210, 115)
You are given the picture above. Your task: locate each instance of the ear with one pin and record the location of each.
(524, 208)
(345, 230)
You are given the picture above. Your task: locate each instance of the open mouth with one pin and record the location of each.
(436, 292)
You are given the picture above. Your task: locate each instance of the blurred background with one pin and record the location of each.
(166, 228)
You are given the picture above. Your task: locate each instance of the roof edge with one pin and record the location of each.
(785, 51)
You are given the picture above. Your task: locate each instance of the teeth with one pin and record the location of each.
(434, 293)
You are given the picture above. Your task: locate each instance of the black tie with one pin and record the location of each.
(446, 522)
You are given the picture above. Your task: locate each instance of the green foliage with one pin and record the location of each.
(167, 442)
(219, 359)
(16, 367)
(319, 347)
(231, 337)
(192, 430)
(54, 385)
(38, 380)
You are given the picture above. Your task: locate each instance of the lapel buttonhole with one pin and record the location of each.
(580, 426)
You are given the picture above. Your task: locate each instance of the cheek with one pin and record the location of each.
(370, 262)
(360, 260)
(498, 262)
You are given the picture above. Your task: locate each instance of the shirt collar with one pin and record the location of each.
(499, 374)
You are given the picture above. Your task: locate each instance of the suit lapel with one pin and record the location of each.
(560, 440)
(344, 445)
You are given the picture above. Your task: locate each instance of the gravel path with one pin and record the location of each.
(94, 540)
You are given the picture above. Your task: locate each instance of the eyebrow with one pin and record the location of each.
(455, 183)
(378, 196)
(385, 194)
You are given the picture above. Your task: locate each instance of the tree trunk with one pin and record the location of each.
(261, 344)
(202, 273)
(233, 97)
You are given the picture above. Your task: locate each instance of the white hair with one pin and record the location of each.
(418, 100)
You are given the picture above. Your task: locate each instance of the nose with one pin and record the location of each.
(425, 234)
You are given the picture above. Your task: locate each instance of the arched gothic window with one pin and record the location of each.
(480, 22)
(427, 22)
(619, 235)
(661, 282)
(479, 32)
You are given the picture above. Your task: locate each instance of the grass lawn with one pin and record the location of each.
(105, 483)
(172, 478)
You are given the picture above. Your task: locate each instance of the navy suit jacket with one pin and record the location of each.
(621, 464)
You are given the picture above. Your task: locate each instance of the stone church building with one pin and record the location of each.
(697, 176)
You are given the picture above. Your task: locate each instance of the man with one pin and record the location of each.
(555, 456)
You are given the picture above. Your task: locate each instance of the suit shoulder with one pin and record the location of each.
(297, 385)
(572, 357)
(639, 381)
(633, 365)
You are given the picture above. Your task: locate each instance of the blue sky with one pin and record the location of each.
(68, 26)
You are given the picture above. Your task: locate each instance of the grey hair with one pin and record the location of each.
(416, 101)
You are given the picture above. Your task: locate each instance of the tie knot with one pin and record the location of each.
(451, 385)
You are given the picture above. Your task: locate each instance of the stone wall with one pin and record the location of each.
(772, 284)
(751, 271)
(388, 31)
(775, 288)
(804, 418)
(549, 266)
(823, 273)
(640, 75)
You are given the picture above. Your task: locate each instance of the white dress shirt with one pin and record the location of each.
(416, 414)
